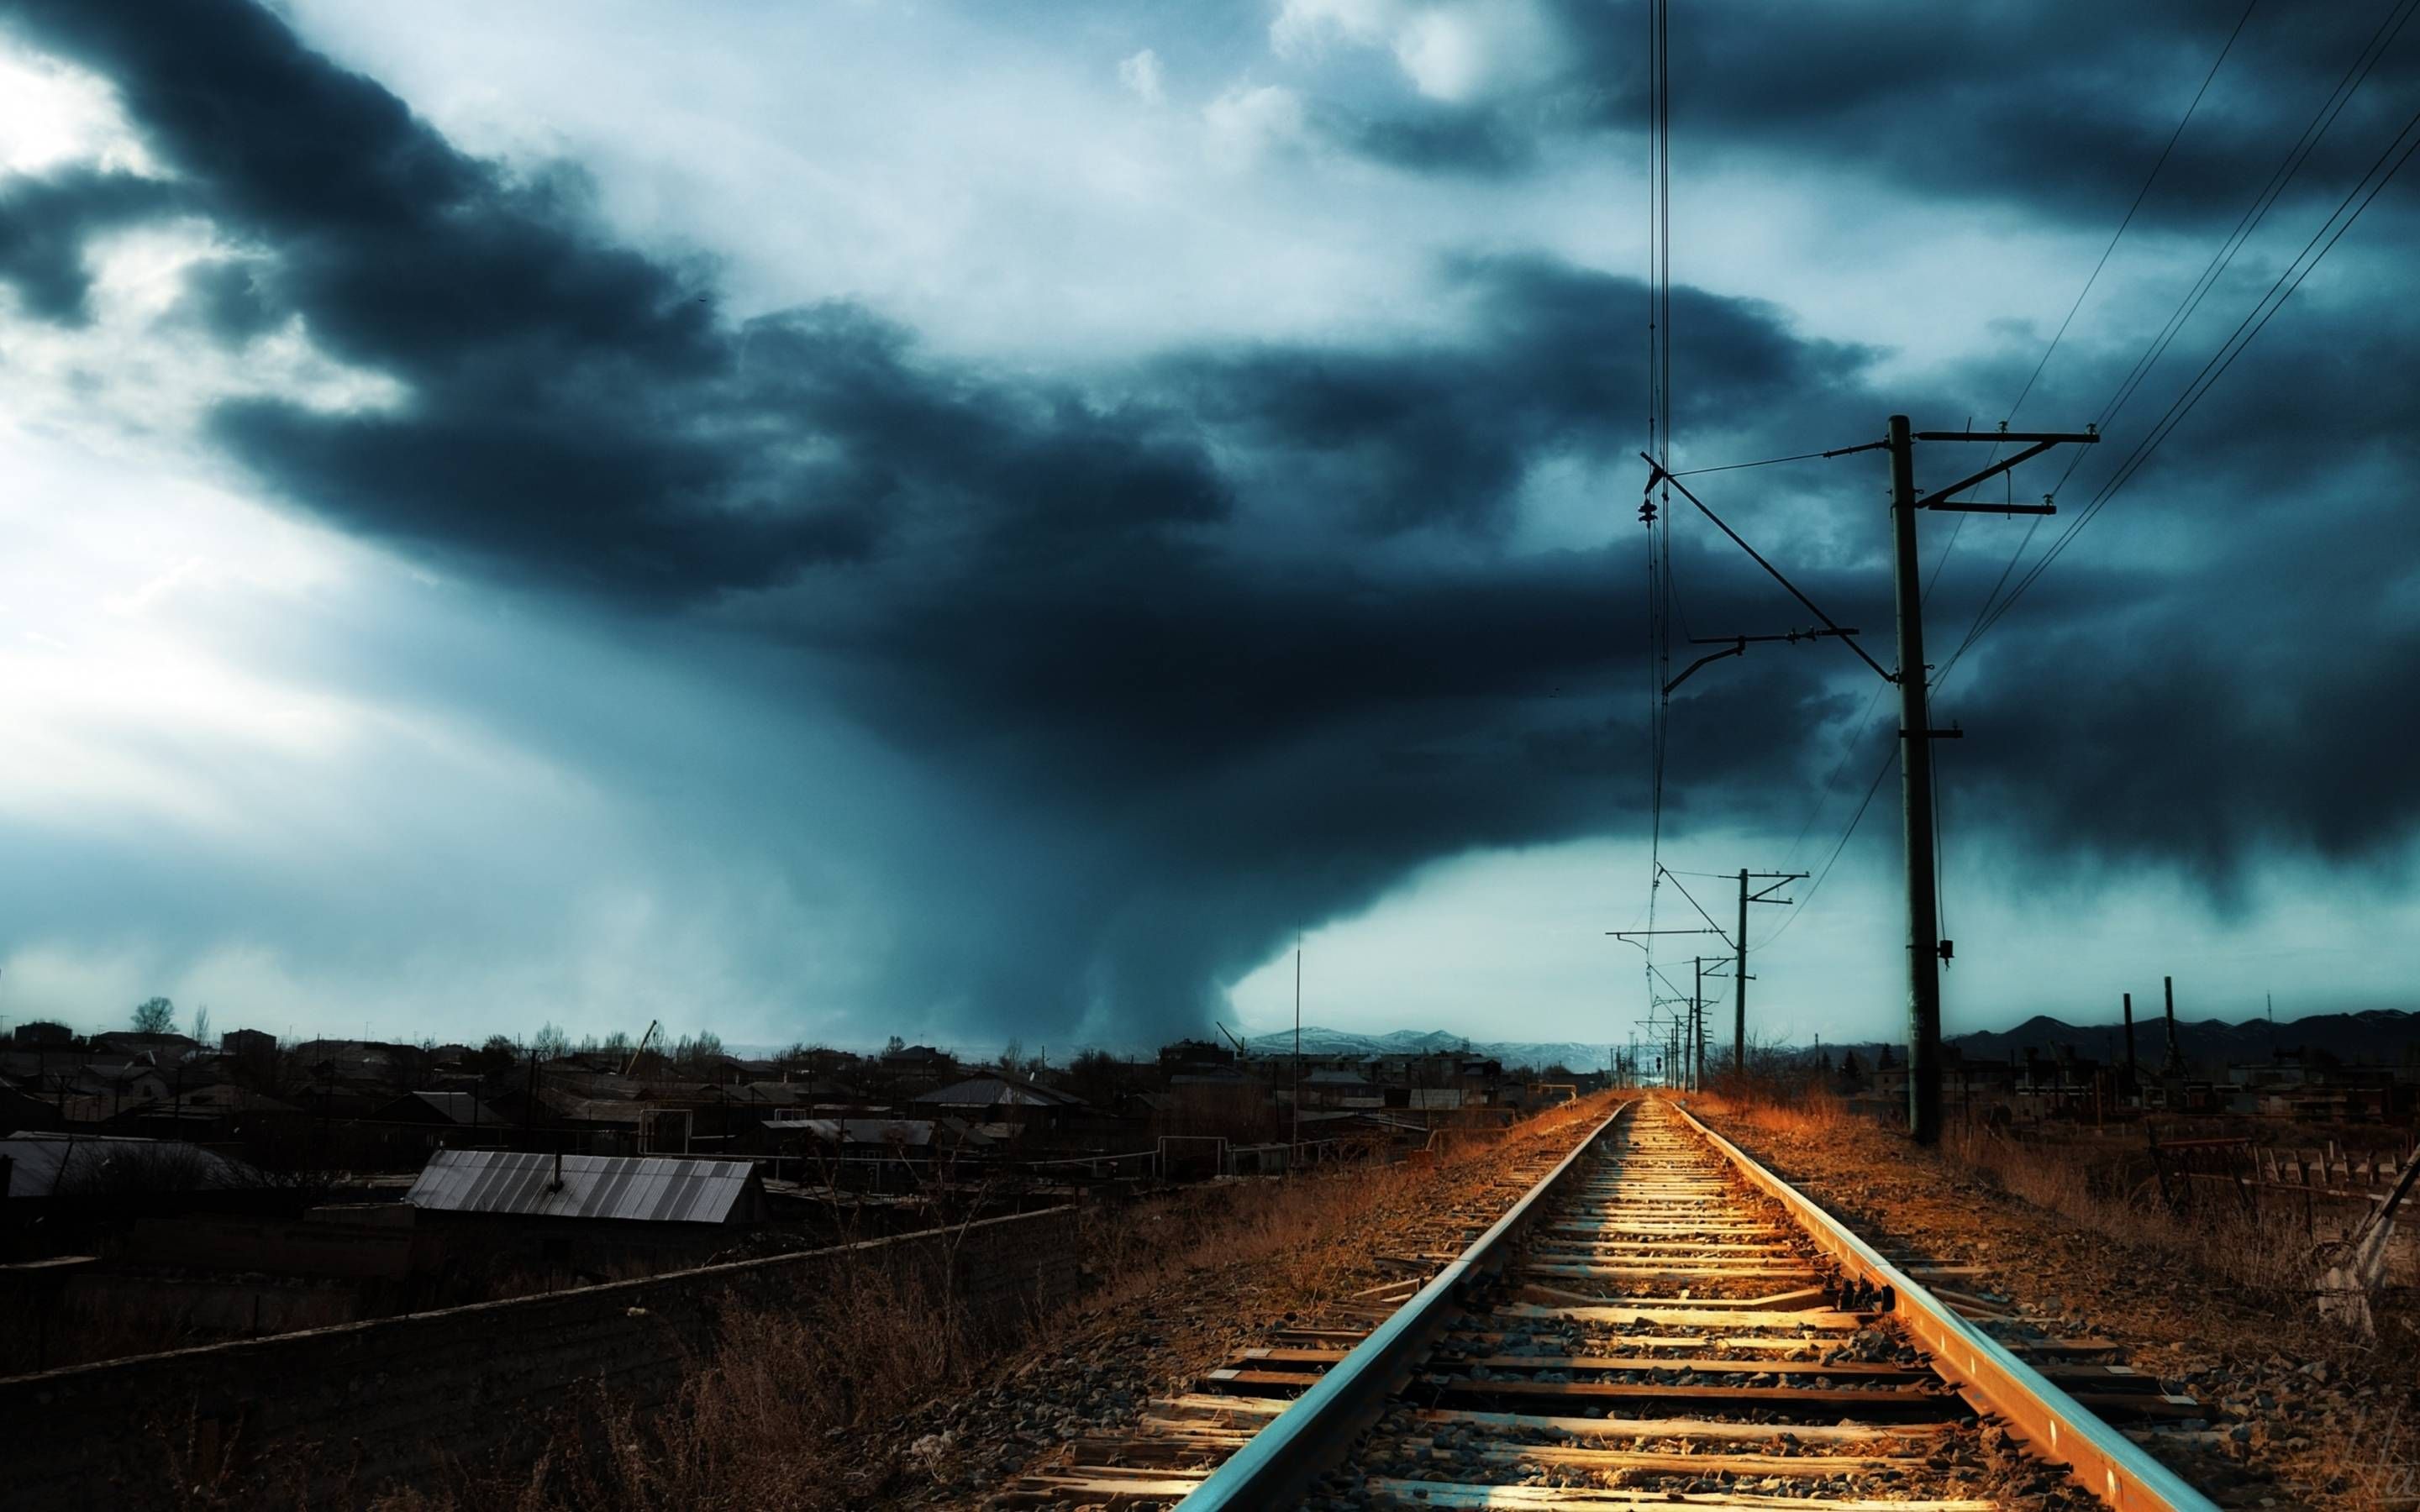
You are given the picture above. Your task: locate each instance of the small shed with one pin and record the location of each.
(604, 1188)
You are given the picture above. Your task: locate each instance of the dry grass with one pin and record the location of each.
(774, 1419)
(2215, 1294)
(2266, 1251)
(2106, 1189)
(795, 1410)
(1298, 1233)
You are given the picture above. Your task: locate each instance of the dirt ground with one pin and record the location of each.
(2302, 1414)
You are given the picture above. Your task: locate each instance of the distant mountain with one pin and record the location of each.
(2376, 1035)
(1324, 1042)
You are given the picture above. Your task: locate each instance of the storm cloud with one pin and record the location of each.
(1240, 634)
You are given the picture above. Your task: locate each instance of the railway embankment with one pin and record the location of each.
(1174, 1297)
(2217, 1302)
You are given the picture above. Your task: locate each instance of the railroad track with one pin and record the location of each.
(1656, 1319)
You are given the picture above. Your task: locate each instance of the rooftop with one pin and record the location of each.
(47, 1165)
(996, 1092)
(633, 1188)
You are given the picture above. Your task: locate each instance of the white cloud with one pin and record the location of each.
(1459, 54)
(1251, 121)
(1143, 77)
(52, 115)
(137, 368)
(1455, 50)
(139, 599)
(1302, 27)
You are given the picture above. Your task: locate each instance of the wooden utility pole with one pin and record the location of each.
(1926, 948)
(1916, 802)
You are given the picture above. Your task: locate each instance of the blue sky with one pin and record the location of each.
(817, 521)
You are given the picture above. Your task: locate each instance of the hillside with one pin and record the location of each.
(2376, 1035)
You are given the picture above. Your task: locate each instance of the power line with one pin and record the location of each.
(1659, 433)
(2128, 218)
(2116, 236)
(1734, 467)
(1699, 906)
(1817, 886)
(2237, 343)
(2356, 73)
(1848, 753)
(2366, 60)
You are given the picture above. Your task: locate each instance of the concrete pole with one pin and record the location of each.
(1698, 1025)
(1916, 802)
(1739, 988)
(2131, 1082)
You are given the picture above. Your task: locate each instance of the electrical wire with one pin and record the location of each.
(1734, 467)
(1817, 886)
(1699, 906)
(1848, 753)
(1994, 606)
(2239, 340)
(1659, 431)
(2366, 60)
(2127, 219)
(1939, 566)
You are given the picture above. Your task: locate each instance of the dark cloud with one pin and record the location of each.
(1410, 436)
(230, 299)
(45, 224)
(2061, 107)
(1219, 643)
(1440, 140)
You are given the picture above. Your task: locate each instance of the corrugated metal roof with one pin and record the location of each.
(640, 1188)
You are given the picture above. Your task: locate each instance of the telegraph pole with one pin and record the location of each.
(1916, 800)
(1926, 948)
(1739, 990)
(1697, 1024)
(2127, 1004)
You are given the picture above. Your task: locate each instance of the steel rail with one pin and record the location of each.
(2097, 1457)
(1278, 1464)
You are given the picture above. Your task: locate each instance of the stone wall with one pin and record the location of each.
(328, 1416)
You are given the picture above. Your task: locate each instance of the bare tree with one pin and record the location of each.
(155, 1016)
(697, 1054)
(202, 1025)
